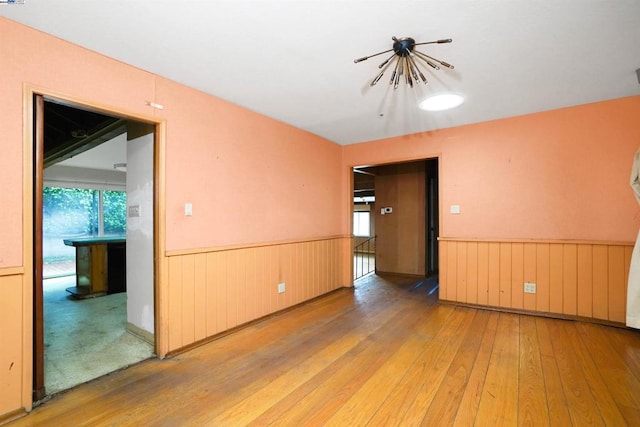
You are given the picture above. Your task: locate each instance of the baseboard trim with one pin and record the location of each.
(141, 333)
(391, 273)
(12, 416)
(558, 316)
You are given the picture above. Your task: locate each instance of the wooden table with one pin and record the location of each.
(100, 266)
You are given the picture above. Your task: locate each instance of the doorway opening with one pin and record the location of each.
(94, 243)
(397, 205)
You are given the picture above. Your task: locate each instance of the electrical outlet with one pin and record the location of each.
(281, 288)
(529, 288)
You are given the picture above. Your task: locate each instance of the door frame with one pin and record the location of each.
(432, 206)
(33, 387)
(437, 158)
(38, 298)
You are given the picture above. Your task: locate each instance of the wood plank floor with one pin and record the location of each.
(384, 353)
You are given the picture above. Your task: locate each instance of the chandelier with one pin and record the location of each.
(406, 59)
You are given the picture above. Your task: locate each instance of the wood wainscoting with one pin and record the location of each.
(215, 290)
(11, 338)
(573, 278)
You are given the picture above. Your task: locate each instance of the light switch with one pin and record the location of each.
(455, 209)
(188, 209)
(134, 211)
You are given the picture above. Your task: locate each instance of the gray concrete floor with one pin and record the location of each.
(85, 339)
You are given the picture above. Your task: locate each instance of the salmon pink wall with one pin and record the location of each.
(249, 178)
(561, 174)
(31, 57)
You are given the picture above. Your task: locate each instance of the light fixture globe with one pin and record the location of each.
(441, 102)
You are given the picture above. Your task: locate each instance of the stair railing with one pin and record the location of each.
(364, 257)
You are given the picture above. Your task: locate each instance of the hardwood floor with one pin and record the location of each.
(385, 353)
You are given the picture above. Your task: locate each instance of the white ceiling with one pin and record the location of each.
(104, 156)
(292, 60)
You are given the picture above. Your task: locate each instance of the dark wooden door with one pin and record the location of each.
(38, 306)
(431, 211)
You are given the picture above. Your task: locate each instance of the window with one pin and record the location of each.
(114, 216)
(362, 223)
(76, 212)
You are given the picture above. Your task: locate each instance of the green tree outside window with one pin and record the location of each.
(75, 212)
